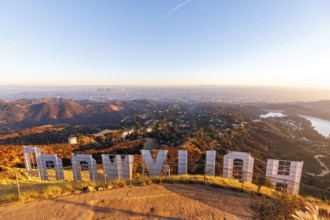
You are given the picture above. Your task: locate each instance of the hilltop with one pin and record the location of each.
(144, 202)
(24, 113)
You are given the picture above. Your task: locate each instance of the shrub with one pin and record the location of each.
(312, 212)
(280, 208)
(263, 181)
(118, 184)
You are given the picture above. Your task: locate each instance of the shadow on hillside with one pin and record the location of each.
(233, 202)
(109, 210)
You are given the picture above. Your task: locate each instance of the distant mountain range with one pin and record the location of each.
(25, 113)
(321, 105)
(320, 109)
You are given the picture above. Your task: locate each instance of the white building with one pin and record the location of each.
(126, 133)
(72, 140)
(285, 175)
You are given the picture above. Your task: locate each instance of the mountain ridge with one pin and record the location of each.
(24, 113)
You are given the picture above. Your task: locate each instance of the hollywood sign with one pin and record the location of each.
(237, 165)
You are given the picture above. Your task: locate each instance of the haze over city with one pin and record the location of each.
(165, 43)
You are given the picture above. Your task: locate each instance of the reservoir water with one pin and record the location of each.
(272, 114)
(320, 125)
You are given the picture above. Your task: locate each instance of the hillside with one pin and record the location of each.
(144, 202)
(195, 127)
(21, 114)
(320, 109)
(323, 105)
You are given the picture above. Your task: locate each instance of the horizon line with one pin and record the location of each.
(169, 86)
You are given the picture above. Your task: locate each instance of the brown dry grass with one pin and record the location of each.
(166, 201)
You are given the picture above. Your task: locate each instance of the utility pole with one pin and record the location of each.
(18, 187)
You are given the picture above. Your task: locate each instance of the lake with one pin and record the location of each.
(320, 125)
(272, 114)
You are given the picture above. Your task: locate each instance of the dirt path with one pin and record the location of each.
(325, 170)
(168, 201)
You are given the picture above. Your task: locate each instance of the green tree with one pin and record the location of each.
(264, 181)
(200, 134)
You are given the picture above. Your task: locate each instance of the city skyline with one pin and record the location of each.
(165, 43)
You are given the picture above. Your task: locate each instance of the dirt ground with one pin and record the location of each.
(168, 201)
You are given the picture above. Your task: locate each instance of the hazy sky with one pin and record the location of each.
(165, 42)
